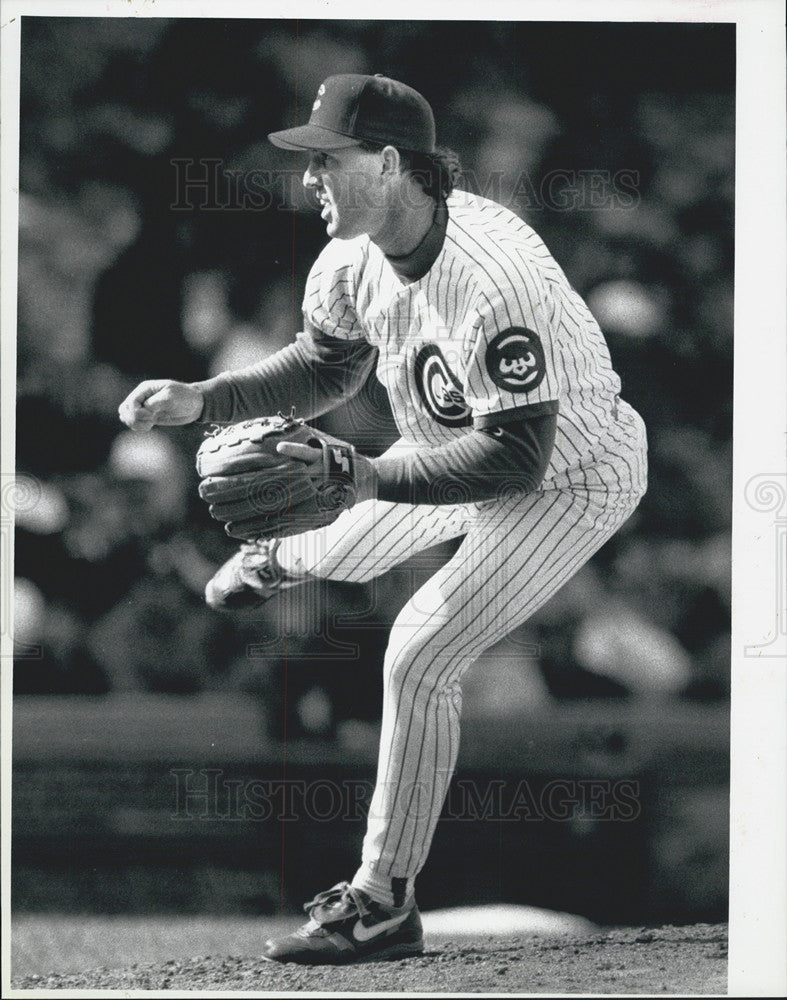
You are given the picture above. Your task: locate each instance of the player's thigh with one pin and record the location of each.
(512, 560)
(372, 537)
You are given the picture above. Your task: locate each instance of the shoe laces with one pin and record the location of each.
(341, 894)
(258, 558)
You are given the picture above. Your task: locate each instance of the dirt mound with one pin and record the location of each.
(631, 960)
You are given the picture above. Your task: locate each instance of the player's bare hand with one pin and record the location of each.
(162, 402)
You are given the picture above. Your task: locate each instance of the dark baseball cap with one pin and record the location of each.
(351, 107)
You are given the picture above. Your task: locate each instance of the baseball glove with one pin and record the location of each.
(259, 492)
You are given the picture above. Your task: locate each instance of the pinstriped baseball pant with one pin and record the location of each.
(515, 555)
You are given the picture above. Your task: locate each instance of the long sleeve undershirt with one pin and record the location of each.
(481, 465)
(316, 373)
(313, 374)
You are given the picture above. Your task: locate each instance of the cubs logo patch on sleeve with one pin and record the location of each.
(439, 389)
(515, 360)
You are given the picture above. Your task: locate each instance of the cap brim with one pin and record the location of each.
(311, 137)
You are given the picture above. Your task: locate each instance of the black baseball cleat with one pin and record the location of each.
(250, 578)
(346, 925)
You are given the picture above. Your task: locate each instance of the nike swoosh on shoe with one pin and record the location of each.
(363, 933)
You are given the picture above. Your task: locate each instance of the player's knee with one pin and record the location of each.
(417, 669)
(423, 683)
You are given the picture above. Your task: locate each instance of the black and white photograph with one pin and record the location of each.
(394, 501)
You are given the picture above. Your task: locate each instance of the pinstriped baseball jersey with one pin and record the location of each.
(493, 332)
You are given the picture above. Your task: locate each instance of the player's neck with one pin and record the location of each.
(408, 220)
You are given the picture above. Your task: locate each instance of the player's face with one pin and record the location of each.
(350, 187)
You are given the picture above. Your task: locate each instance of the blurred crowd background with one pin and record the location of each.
(616, 142)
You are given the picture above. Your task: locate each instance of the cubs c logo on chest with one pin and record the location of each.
(439, 389)
(515, 360)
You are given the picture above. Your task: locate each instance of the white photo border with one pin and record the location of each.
(758, 885)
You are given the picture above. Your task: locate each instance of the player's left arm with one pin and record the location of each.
(484, 464)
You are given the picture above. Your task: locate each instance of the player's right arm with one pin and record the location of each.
(327, 364)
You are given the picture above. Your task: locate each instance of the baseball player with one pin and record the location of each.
(513, 437)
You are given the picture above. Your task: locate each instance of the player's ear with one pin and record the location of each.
(391, 160)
